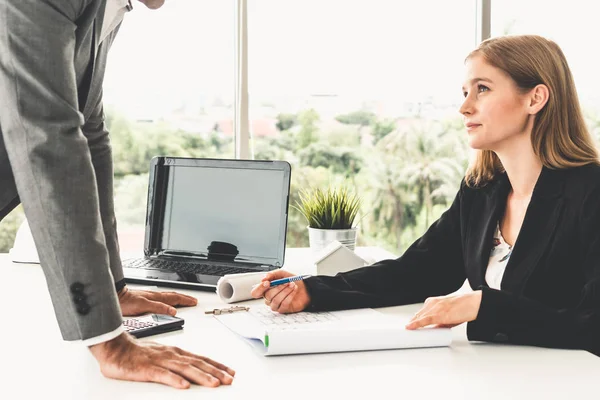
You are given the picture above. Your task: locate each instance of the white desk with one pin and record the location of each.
(36, 363)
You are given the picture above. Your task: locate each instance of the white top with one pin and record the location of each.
(499, 257)
(113, 16)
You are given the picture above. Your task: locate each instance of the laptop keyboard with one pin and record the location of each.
(186, 267)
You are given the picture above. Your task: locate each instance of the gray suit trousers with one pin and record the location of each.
(55, 154)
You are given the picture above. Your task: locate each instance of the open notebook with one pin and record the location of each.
(353, 330)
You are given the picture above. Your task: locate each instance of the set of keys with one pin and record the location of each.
(219, 311)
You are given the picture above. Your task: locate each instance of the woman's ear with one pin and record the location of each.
(538, 97)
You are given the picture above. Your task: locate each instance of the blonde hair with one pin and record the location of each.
(559, 136)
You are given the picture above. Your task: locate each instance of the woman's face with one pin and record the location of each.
(495, 112)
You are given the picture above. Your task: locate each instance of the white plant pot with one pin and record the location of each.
(320, 238)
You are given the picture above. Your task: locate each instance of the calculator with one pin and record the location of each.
(151, 324)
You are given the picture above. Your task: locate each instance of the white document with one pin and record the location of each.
(237, 287)
(272, 333)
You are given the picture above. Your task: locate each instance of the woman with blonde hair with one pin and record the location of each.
(524, 228)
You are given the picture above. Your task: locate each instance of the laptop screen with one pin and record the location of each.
(225, 210)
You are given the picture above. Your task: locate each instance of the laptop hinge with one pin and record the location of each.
(203, 258)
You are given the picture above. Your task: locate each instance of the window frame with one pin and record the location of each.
(241, 110)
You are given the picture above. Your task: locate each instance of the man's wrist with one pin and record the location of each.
(120, 286)
(101, 350)
(104, 337)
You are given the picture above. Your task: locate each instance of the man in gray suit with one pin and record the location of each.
(55, 158)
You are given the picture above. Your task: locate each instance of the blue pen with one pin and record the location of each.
(283, 281)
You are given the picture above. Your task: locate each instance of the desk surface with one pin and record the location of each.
(36, 363)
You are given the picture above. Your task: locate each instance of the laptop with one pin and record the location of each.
(206, 218)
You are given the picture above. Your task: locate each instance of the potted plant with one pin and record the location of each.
(331, 215)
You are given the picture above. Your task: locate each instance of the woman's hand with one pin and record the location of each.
(447, 311)
(288, 298)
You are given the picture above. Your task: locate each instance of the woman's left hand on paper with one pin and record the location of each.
(447, 311)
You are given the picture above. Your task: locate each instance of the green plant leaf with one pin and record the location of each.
(335, 208)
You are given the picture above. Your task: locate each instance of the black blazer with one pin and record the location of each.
(550, 291)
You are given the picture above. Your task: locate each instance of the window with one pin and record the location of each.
(365, 93)
(573, 27)
(168, 90)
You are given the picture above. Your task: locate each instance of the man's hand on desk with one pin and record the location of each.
(287, 298)
(447, 311)
(126, 358)
(137, 302)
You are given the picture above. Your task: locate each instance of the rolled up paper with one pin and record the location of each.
(237, 287)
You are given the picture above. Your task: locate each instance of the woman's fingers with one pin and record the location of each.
(445, 325)
(259, 290)
(273, 292)
(434, 313)
(275, 301)
(286, 305)
(428, 315)
(423, 321)
(424, 310)
(447, 311)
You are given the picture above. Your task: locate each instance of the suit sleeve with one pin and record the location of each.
(51, 161)
(510, 318)
(102, 161)
(97, 135)
(431, 266)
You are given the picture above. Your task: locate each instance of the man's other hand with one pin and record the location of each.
(129, 359)
(137, 302)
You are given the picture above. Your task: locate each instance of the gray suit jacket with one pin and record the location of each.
(55, 154)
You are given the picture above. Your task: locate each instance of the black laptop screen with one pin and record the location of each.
(226, 213)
